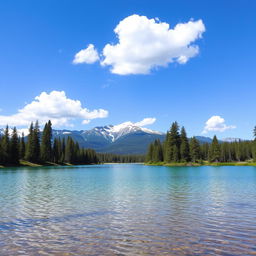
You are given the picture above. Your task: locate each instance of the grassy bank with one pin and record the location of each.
(204, 163)
(24, 163)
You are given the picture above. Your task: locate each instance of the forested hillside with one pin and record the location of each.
(177, 148)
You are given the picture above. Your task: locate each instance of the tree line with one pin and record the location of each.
(114, 158)
(39, 148)
(177, 148)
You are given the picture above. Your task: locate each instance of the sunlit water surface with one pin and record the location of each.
(128, 210)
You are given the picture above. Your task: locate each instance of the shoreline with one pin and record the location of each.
(24, 163)
(30, 164)
(202, 164)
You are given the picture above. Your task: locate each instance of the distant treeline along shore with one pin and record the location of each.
(177, 148)
(39, 148)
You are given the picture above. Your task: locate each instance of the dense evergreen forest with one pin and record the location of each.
(113, 158)
(177, 148)
(40, 148)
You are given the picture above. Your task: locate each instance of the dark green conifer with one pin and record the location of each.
(46, 143)
(149, 156)
(29, 146)
(184, 146)
(22, 146)
(195, 153)
(36, 143)
(6, 146)
(14, 149)
(172, 145)
(214, 152)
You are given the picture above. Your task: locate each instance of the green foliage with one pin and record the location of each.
(172, 144)
(155, 152)
(214, 151)
(46, 146)
(6, 156)
(22, 147)
(114, 158)
(14, 148)
(178, 149)
(33, 144)
(184, 146)
(195, 152)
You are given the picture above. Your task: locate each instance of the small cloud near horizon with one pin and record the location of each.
(216, 124)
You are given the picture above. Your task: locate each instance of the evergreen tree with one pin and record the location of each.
(184, 146)
(63, 150)
(6, 146)
(214, 152)
(157, 154)
(22, 147)
(195, 153)
(172, 145)
(204, 149)
(56, 151)
(14, 150)
(33, 144)
(69, 151)
(149, 156)
(36, 143)
(46, 146)
(29, 146)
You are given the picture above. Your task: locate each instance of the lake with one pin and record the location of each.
(128, 209)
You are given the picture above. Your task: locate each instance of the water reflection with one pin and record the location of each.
(128, 210)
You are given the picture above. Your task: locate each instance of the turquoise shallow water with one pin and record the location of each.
(128, 210)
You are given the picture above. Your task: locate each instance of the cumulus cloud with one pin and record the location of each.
(54, 106)
(88, 55)
(217, 124)
(145, 44)
(145, 121)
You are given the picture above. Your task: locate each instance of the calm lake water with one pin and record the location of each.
(128, 210)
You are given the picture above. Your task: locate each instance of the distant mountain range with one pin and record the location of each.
(125, 138)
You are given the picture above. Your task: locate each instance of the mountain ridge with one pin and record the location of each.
(125, 138)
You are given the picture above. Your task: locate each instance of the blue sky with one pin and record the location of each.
(39, 40)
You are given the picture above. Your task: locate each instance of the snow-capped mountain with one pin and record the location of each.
(25, 131)
(231, 139)
(125, 138)
(114, 132)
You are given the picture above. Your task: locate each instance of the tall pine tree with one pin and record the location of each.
(22, 146)
(6, 146)
(172, 145)
(46, 143)
(184, 146)
(195, 153)
(214, 151)
(14, 156)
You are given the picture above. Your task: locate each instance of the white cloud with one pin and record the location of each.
(88, 55)
(217, 124)
(146, 121)
(145, 44)
(86, 121)
(54, 106)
